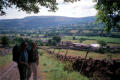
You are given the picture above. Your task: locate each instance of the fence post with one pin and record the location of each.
(85, 59)
(53, 50)
(66, 52)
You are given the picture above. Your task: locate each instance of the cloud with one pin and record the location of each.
(81, 8)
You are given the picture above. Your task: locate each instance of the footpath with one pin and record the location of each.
(10, 72)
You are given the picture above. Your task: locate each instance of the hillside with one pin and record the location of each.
(43, 21)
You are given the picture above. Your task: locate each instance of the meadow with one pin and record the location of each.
(91, 54)
(95, 38)
(53, 69)
(49, 67)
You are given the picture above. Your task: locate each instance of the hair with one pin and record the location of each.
(33, 43)
(23, 43)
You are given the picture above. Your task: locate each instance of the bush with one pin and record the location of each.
(101, 50)
(82, 39)
(5, 41)
(57, 39)
(102, 43)
(52, 42)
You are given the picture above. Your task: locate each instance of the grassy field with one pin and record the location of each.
(54, 70)
(90, 42)
(107, 39)
(93, 55)
(4, 60)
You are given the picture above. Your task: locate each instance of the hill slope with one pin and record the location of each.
(43, 21)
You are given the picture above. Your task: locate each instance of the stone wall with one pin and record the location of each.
(95, 68)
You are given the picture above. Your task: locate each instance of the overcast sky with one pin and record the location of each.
(82, 8)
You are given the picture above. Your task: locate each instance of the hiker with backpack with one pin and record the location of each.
(20, 56)
(33, 60)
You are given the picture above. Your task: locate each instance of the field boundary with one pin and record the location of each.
(96, 68)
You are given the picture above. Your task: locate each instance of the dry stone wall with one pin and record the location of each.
(96, 68)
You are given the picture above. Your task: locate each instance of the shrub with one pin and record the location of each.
(5, 41)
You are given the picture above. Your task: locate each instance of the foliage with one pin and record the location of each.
(102, 43)
(52, 42)
(41, 43)
(27, 5)
(74, 38)
(5, 41)
(57, 38)
(108, 12)
(82, 39)
(17, 40)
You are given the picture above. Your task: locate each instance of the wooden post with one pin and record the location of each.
(84, 60)
(53, 50)
(66, 53)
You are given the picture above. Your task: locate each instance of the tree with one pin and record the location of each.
(108, 12)
(57, 38)
(74, 38)
(102, 43)
(18, 40)
(27, 5)
(5, 41)
(52, 42)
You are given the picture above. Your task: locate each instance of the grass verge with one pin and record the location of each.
(4, 60)
(53, 69)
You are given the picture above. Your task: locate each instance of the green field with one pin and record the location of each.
(93, 55)
(106, 39)
(54, 70)
(51, 68)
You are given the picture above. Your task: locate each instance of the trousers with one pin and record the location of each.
(33, 69)
(22, 71)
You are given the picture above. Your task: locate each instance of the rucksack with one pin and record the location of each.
(16, 53)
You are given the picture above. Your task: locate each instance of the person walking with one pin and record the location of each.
(23, 61)
(33, 60)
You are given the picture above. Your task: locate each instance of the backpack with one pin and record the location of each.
(16, 53)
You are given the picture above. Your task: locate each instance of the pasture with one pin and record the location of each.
(93, 55)
(54, 69)
(106, 39)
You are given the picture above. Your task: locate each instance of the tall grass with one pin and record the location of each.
(4, 60)
(55, 70)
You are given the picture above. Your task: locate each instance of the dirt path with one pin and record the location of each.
(10, 72)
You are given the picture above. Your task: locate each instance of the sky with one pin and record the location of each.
(82, 8)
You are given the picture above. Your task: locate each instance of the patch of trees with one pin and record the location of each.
(54, 41)
(5, 41)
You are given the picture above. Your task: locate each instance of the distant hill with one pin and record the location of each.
(43, 21)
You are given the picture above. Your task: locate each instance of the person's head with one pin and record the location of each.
(33, 45)
(24, 45)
